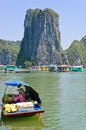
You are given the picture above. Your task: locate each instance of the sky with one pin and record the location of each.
(72, 18)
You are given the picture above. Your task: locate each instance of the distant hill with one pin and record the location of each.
(8, 51)
(76, 53)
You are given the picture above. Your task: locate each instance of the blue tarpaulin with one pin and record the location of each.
(15, 83)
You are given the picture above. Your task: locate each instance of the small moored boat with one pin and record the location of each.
(11, 108)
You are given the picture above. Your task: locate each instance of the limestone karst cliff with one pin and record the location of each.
(41, 42)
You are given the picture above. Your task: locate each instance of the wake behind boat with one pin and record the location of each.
(14, 104)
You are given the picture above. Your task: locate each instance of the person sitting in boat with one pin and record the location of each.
(20, 97)
(31, 94)
(7, 98)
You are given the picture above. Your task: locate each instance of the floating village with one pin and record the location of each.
(48, 68)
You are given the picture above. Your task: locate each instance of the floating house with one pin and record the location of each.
(10, 68)
(52, 68)
(35, 68)
(77, 68)
(44, 67)
(64, 68)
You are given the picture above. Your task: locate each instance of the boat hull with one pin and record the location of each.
(25, 113)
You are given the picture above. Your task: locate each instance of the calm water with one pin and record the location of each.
(64, 100)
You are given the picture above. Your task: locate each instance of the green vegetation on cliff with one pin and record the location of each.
(9, 45)
(77, 48)
(52, 12)
(8, 49)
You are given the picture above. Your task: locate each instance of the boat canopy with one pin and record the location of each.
(16, 83)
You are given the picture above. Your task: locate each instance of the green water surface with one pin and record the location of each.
(63, 96)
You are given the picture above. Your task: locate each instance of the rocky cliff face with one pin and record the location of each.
(41, 41)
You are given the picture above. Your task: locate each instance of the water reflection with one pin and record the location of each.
(3, 126)
(21, 123)
(73, 101)
(50, 92)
